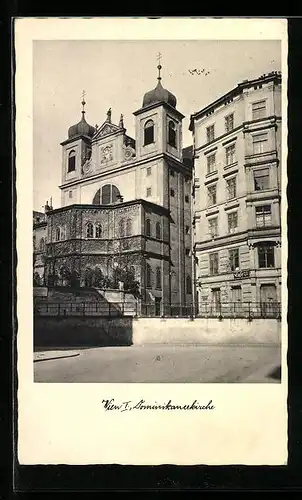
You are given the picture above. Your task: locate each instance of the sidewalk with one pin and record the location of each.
(48, 355)
(269, 373)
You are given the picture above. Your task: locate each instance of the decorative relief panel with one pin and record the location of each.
(129, 153)
(107, 129)
(106, 153)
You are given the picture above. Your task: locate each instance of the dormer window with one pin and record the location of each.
(172, 134)
(148, 132)
(71, 161)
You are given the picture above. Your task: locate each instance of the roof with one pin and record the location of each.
(274, 76)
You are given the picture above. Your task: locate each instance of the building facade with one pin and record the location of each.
(125, 205)
(237, 193)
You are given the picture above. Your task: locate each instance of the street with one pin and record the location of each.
(161, 363)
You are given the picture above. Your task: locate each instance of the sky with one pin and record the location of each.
(117, 74)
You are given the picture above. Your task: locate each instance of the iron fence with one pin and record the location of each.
(107, 309)
(218, 310)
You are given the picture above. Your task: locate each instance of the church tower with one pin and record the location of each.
(165, 180)
(76, 151)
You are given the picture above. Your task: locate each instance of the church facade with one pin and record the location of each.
(125, 212)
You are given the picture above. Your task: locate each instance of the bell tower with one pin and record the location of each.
(75, 151)
(158, 123)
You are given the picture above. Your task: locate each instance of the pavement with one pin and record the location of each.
(161, 363)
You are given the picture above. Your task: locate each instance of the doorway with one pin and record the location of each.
(157, 306)
(268, 300)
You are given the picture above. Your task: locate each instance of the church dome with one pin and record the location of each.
(159, 94)
(81, 128)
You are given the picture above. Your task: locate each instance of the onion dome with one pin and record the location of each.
(159, 94)
(81, 128)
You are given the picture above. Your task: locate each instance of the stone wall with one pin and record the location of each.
(81, 331)
(97, 331)
(206, 331)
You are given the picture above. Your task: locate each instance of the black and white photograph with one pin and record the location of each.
(151, 204)
(157, 211)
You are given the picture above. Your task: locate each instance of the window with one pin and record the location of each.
(212, 195)
(187, 198)
(58, 233)
(213, 263)
(148, 227)
(189, 285)
(172, 134)
(106, 195)
(259, 144)
(158, 278)
(172, 173)
(149, 171)
(70, 194)
(89, 230)
(188, 252)
(172, 193)
(122, 228)
(229, 122)
(263, 216)
(71, 161)
(213, 227)
(231, 188)
(261, 179)
(158, 230)
(63, 233)
(211, 163)
(98, 230)
(148, 192)
(34, 242)
(234, 259)
(128, 227)
(42, 245)
(148, 276)
(210, 133)
(187, 229)
(258, 110)
(230, 154)
(148, 132)
(266, 255)
(233, 222)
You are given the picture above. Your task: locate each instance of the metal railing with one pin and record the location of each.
(220, 310)
(106, 309)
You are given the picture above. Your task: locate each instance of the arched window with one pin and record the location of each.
(88, 277)
(148, 227)
(42, 244)
(132, 272)
(158, 278)
(89, 230)
(98, 230)
(172, 134)
(148, 276)
(122, 228)
(71, 161)
(58, 233)
(63, 233)
(106, 195)
(189, 284)
(148, 132)
(128, 227)
(158, 230)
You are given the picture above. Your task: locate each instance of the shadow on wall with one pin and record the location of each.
(276, 373)
(65, 332)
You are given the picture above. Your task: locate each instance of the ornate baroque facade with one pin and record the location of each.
(125, 204)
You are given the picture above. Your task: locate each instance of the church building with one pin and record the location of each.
(125, 206)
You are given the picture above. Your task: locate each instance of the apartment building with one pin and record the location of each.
(237, 193)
